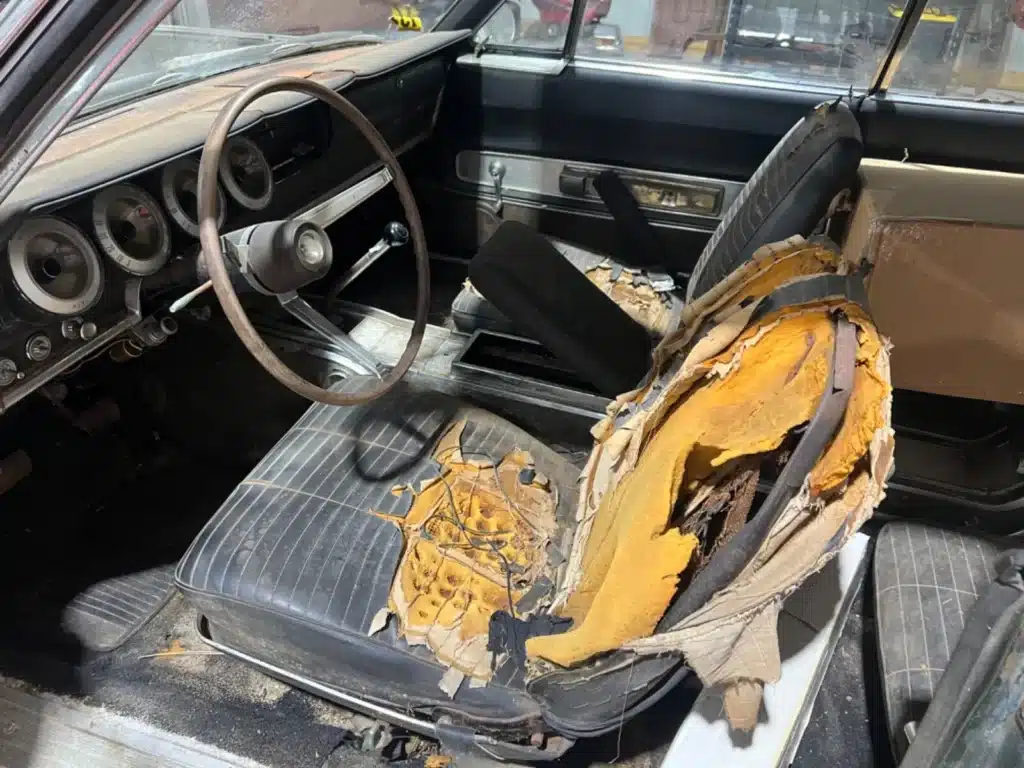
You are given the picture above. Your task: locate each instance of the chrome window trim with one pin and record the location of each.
(513, 62)
(709, 76)
(14, 17)
(898, 97)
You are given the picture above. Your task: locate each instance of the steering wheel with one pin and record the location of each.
(294, 253)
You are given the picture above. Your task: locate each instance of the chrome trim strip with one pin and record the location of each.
(329, 211)
(422, 727)
(592, 213)
(706, 75)
(27, 386)
(510, 62)
(537, 179)
(573, 402)
(900, 96)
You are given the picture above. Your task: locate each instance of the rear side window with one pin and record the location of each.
(824, 41)
(969, 52)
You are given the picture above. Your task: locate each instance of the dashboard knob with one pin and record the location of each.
(38, 347)
(75, 328)
(8, 371)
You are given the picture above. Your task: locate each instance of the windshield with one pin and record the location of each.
(203, 38)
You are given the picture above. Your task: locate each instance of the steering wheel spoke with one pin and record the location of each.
(359, 361)
(331, 210)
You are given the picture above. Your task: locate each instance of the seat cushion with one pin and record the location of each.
(927, 580)
(294, 567)
(631, 288)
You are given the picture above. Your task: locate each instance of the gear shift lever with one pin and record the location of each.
(395, 235)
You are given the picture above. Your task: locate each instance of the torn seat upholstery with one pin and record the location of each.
(426, 556)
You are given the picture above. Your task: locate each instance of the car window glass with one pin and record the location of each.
(973, 52)
(539, 25)
(837, 42)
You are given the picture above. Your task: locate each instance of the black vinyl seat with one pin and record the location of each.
(291, 571)
(295, 562)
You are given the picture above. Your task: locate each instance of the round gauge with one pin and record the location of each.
(8, 371)
(131, 229)
(179, 187)
(55, 267)
(246, 173)
(38, 347)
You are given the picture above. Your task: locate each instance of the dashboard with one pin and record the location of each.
(109, 214)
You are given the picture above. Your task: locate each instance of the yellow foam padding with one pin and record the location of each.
(633, 559)
(473, 536)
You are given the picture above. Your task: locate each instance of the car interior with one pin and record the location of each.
(647, 338)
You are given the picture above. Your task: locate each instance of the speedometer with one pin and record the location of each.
(179, 187)
(246, 174)
(131, 228)
(54, 266)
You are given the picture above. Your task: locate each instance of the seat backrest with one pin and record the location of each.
(523, 274)
(789, 193)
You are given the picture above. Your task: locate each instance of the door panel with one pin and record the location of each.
(630, 117)
(650, 125)
(947, 276)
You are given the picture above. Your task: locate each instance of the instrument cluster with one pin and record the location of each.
(72, 275)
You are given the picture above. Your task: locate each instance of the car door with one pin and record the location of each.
(686, 97)
(644, 91)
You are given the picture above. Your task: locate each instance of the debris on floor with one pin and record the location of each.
(734, 389)
(475, 543)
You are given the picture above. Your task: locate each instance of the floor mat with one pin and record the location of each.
(926, 582)
(109, 612)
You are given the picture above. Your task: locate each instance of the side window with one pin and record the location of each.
(803, 41)
(538, 25)
(973, 52)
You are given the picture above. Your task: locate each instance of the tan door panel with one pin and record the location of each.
(947, 286)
